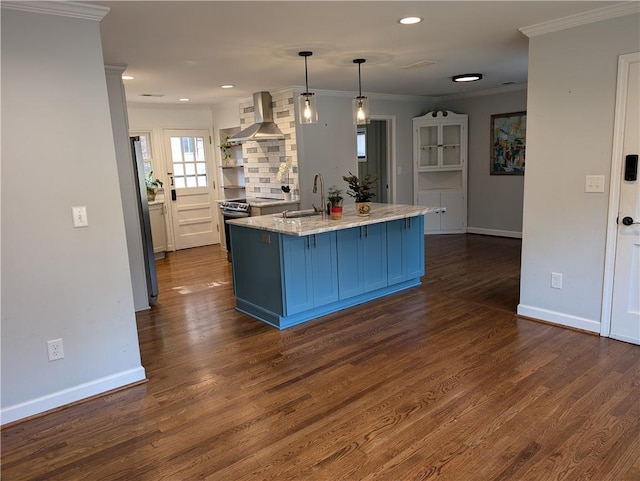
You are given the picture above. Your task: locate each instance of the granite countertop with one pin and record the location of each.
(317, 224)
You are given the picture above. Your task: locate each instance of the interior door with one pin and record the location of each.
(625, 310)
(376, 159)
(192, 190)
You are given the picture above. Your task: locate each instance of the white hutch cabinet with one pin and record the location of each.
(440, 170)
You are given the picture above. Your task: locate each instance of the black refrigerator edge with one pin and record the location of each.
(145, 222)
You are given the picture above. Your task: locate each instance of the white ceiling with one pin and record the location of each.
(188, 49)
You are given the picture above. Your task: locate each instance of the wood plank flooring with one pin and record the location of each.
(440, 382)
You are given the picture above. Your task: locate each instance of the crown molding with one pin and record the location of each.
(64, 9)
(481, 93)
(591, 16)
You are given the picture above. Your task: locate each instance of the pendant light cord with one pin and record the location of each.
(359, 61)
(306, 54)
(306, 75)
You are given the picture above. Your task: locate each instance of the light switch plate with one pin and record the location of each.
(80, 216)
(594, 183)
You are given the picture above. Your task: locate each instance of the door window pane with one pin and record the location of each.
(188, 158)
(200, 149)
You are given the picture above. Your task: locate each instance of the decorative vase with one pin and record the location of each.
(151, 195)
(287, 196)
(336, 211)
(363, 208)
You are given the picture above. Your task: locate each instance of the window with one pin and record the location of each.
(361, 144)
(145, 147)
(189, 163)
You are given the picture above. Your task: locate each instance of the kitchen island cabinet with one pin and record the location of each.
(311, 278)
(405, 254)
(288, 271)
(362, 258)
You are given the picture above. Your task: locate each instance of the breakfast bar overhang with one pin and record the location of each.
(290, 270)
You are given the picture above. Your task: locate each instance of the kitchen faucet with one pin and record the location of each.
(323, 206)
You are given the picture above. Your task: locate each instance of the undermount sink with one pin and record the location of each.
(289, 214)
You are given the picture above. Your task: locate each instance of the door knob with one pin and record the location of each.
(627, 220)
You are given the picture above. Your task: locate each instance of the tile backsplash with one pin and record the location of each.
(262, 159)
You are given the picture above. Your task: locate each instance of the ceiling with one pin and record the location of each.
(177, 49)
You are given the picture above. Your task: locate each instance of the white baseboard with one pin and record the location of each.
(494, 232)
(559, 318)
(70, 395)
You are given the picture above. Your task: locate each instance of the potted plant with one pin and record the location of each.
(335, 199)
(361, 191)
(225, 147)
(152, 186)
(283, 176)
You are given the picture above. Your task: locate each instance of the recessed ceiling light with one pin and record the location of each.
(467, 77)
(184, 99)
(226, 86)
(128, 77)
(410, 20)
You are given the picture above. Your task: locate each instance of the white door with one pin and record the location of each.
(191, 171)
(625, 310)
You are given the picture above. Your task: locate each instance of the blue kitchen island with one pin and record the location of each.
(290, 270)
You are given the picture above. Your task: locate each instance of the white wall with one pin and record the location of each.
(57, 281)
(494, 202)
(329, 147)
(128, 186)
(571, 97)
(158, 118)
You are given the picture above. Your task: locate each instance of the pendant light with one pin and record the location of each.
(307, 112)
(360, 103)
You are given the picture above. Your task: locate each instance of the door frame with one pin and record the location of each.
(168, 168)
(390, 132)
(614, 189)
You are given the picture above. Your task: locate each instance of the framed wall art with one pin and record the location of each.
(508, 143)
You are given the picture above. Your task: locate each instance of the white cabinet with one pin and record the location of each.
(440, 170)
(158, 228)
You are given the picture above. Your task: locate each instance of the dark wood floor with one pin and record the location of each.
(438, 382)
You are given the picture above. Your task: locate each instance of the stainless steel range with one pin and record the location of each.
(233, 209)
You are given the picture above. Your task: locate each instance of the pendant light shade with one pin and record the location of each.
(360, 103)
(307, 111)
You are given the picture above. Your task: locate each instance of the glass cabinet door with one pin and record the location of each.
(451, 144)
(428, 145)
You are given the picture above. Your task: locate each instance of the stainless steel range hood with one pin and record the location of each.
(264, 128)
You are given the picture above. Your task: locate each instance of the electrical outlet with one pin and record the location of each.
(55, 349)
(556, 280)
